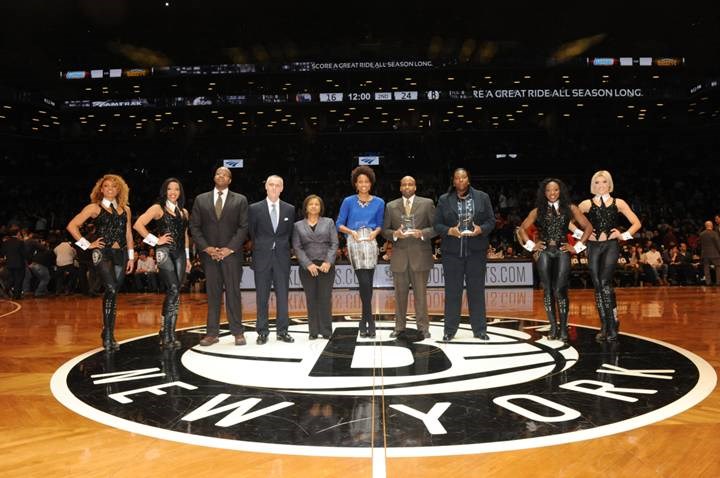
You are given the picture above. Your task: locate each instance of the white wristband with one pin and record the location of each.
(529, 245)
(626, 236)
(187, 253)
(131, 254)
(579, 247)
(578, 233)
(151, 239)
(82, 243)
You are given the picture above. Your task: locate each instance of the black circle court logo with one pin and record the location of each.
(410, 395)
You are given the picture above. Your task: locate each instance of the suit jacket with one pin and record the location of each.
(446, 216)
(320, 244)
(263, 236)
(410, 253)
(15, 252)
(229, 231)
(709, 244)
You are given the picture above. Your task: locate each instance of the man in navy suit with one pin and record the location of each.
(271, 224)
(219, 227)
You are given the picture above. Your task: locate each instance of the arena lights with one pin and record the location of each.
(640, 61)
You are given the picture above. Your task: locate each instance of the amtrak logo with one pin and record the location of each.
(415, 396)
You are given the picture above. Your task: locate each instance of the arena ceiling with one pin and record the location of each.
(40, 38)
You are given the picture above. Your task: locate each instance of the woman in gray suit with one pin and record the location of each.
(315, 241)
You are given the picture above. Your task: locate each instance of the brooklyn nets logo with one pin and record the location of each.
(413, 396)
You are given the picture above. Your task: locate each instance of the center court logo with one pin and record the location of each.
(416, 397)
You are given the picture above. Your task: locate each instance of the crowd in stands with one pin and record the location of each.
(655, 175)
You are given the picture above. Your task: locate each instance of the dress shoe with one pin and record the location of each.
(448, 337)
(326, 337)
(363, 334)
(261, 339)
(240, 339)
(285, 337)
(312, 336)
(371, 335)
(209, 340)
(481, 336)
(396, 333)
(426, 334)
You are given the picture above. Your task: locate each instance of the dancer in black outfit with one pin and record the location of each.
(552, 215)
(604, 211)
(172, 250)
(112, 251)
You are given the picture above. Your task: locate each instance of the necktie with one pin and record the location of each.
(112, 208)
(274, 217)
(408, 207)
(218, 205)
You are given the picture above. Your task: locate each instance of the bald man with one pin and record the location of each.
(219, 226)
(411, 258)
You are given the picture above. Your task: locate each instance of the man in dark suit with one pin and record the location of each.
(15, 253)
(411, 258)
(271, 224)
(219, 227)
(464, 251)
(710, 252)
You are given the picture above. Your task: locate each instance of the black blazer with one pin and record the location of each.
(446, 216)
(263, 236)
(229, 231)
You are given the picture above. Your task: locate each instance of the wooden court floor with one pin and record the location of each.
(42, 438)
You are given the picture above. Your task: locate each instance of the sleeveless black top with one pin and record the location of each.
(603, 218)
(112, 227)
(175, 226)
(553, 226)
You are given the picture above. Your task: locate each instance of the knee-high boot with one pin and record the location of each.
(602, 335)
(549, 304)
(109, 314)
(563, 312)
(170, 312)
(611, 313)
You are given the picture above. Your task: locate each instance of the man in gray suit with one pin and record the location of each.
(219, 228)
(411, 258)
(710, 252)
(271, 225)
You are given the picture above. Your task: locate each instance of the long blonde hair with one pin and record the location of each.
(96, 196)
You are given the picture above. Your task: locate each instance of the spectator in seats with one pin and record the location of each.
(112, 251)
(552, 215)
(710, 252)
(172, 251)
(654, 259)
(14, 251)
(360, 219)
(635, 263)
(145, 273)
(66, 274)
(42, 262)
(603, 212)
(690, 271)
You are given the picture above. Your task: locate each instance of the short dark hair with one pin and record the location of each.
(366, 170)
(307, 200)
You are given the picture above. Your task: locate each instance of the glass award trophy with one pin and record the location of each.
(407, 224)
(465, 215)
(363, 232)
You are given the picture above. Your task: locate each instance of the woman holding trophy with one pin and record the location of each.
(464, 219)
(360, 219)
